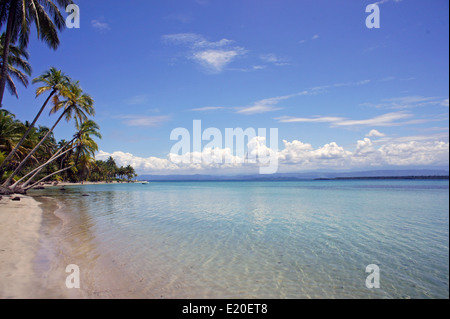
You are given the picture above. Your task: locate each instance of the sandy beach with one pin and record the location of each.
(35, 250)
(20, 222)
(61, 184)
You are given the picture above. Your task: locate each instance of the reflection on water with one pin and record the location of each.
(264, 239)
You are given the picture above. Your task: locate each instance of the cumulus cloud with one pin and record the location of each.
(216, 60)
(214, 56)
(375, 133)
(298, 156)
(148, 164)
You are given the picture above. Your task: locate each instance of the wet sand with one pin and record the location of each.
(38, 241)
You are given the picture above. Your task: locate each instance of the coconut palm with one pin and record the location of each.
(54, 82)
(77, 105)
(111, 168)
(130, 172)
(86, 148)
(19, 15)
(10, 132)
(82, 137)
(17, 60)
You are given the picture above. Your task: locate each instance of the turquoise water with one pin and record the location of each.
(307, 239)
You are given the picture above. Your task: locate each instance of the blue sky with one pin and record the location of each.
(342, 96)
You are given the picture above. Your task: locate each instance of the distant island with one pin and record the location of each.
(442, 177)
(307, 176)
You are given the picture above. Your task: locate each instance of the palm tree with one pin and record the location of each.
(111, 168)
(54, 81)
(77, 105)
(82, 137)
(17, 60)
(19, 15)
(129, 172)
(84, 156)
(10, 132)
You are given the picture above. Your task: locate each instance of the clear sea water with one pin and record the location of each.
(305, 239)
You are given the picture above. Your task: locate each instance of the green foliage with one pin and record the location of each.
(33, 153)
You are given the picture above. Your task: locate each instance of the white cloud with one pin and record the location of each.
(213, 55)
(316, 36)
(266, 105)
(272, 58)
(259, 67)
(384, 1)
(415, 153)
(321, 119)
(445, 103)
(183, 38)
(271, 104)
(427, 150)
(216, 60)
(375, 133)
(195, 40)
(100, 26)
(406, 102)
(148, 164)
(388, 119)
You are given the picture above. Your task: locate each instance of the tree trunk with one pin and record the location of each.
(39, 169)
(5, 56)
(19, 168)
(13, 152)
(48, 176)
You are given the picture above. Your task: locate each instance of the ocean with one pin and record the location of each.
(293, 240)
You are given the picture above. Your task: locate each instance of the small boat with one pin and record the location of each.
(144, 183)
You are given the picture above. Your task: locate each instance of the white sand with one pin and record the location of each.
(19, 240)
(23, 275)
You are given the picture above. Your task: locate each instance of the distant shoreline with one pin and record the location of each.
(293, 179)
(385, 177)
(255, 179)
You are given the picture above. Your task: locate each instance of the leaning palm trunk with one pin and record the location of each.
(13, 152)
(8, 37)
(19, 168)
(48, 176)
(40, 168)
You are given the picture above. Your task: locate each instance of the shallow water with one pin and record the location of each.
(307, 239)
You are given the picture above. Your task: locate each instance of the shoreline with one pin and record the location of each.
(88, 183)
(38, 240)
